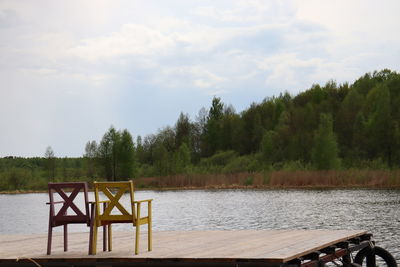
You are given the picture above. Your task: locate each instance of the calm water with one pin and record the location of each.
(374, 210)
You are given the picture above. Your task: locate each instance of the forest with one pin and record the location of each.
(331, 127)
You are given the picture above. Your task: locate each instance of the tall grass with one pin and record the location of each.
(278, 179)
(269, 179)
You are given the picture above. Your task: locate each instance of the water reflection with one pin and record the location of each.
(374, 210)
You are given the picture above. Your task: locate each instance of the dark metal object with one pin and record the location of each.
(370, 255)
(340, 251)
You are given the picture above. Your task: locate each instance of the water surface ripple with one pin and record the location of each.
(376, 211)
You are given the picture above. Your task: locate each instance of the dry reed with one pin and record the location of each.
(278, 179)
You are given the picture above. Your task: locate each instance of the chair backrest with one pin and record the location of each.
(113, 191)
(60, 216)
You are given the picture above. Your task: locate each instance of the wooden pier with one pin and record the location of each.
(225, 248)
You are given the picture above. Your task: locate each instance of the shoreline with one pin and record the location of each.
(274, 180)
(231, 187)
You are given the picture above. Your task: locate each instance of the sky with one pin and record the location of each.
(71, 69)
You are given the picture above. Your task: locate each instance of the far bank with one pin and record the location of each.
(373, 179)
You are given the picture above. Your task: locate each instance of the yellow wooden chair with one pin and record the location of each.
(113, 191)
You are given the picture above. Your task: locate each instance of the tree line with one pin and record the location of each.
(326, 127)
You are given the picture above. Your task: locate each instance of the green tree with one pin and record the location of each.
(346, 121)
(90, 158)
(126, 156)
(212, 134)
(379, 126)
(116, 154)
(252, 129)
(182, 158)
(108, 153)
(268, 147)
(286, 145)
(140, 152)
(325, 150)
(50, 163)
(161, 159)
(183, 129)
(229, 124)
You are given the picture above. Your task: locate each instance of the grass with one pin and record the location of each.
(279, 179)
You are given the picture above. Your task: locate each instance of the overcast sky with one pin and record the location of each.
(71, 69)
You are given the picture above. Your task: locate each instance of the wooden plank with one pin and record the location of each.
(258, 243)
(266, 245)
(313, 243)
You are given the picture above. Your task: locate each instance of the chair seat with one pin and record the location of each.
(59, 223)
(143, 220)
(71, 219)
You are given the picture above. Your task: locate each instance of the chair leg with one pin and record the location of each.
(65, 237)
(149, 231)
(104, 238)
(91, 229)
(49, 237)
(94, 244)
(104, 231)
(149, 237)
(109, 237)
(91, 240)
(137, 237)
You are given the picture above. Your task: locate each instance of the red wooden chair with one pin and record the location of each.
(58, 214)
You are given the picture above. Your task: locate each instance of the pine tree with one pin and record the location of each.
(125, 156)
(212, 135)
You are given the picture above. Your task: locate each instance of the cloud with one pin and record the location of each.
(191, 77)
(161, 52)
(154, 41)
(131, 40)
(245, 12)
(8, 18)
(41, 71)
(95, 79)
(95, 63)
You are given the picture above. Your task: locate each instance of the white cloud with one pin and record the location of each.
(353, 21)
(247, 11)
(41, 71)
(131, 40)
(95, 79)
(95, 54)
(191, 76)
(282, 70)
(8, 18)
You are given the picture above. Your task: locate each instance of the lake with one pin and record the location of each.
(374, 210)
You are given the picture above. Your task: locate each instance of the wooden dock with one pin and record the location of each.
(266, 247)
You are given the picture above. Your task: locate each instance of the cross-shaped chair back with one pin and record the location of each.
(68, 212)
(115, 211)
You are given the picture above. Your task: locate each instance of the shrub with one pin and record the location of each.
(293, 165)
(249, 181)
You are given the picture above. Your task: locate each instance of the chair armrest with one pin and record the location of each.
(55, 202)
(141, 201)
